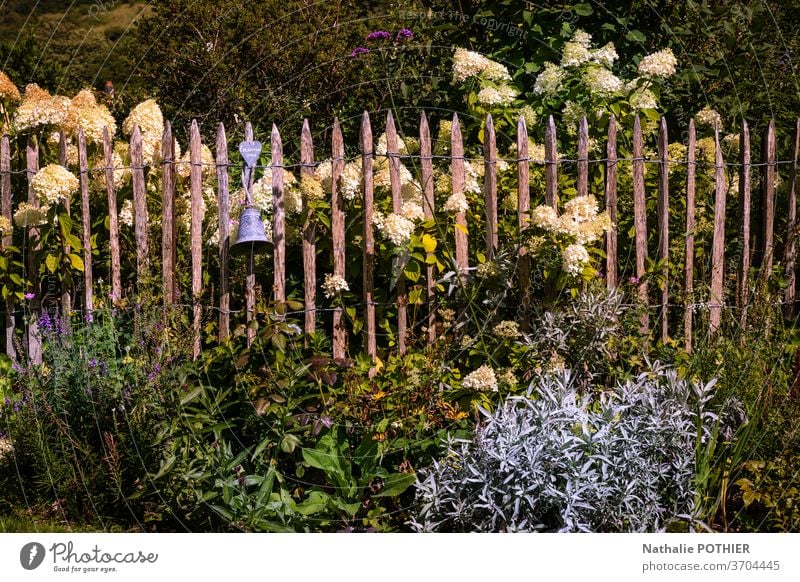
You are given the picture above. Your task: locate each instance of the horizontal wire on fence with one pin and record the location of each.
(538, 161)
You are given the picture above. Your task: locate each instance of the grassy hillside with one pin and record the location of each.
(87, 41)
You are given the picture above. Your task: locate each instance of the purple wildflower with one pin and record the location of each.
(88, 390)
(634, 280)
(89, 318)
(379, 35)
(45, 322)
(154, 373)
(359, 50)
(404, 34)
(30, 296)
(8, 401)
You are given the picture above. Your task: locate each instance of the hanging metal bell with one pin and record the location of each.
(252, 237)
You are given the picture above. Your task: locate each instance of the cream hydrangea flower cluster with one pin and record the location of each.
(333, 285)
(29, 215)
(53, 184)
(500, 95)
(86, 113)
(507, 329)
(708, 117)
(126, 214)
(483, 379)
(580, 224)
(5, 226)
(394, 227)
(148, 116)
(39, 107)
(494, 77)
(183, 166)
(659, 64)
(8, 90)
(468, 64)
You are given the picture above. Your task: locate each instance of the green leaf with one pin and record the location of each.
(396, 483)
(582, 9)
(289, 443)
(165, 467)
(77, 262)
(635, 36)
(51, 262)
(323, 460)
(315, 503)
(429, 243)
(191, 396)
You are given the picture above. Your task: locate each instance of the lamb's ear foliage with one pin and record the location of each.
(561, 460)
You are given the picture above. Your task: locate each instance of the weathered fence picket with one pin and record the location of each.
(612, 273)
(490, 187)
(551, 164)
(768, 155)
(7, 238)
(168, 230)
(337, 232)
(426, 175)
(688, 257)
(367, 163)
(583, 158)
(113, 219)
(457, 175)
(32, 269)
(640, 220)
(279, 222)
(139, 206)
(196, 189)
(307, 169)
(83, 174)
(223, 202)
(392, 151)
(718, 244)
(523, 219)
(662, 212)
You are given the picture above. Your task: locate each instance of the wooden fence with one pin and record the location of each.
(552, 165)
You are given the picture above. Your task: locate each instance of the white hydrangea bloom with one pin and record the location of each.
(126, 214)
(456, 203)
(500, 95)
(350, 180)
(605, 55)
(333, 285)
(602, 81)
(468, 64)
(574, 258)
(549, 80)
(659, 64)
(544, 217)
(708, 117)
(575, 54)
(394, 227)
(482, 379)
(640, 97)
(507, 329)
